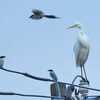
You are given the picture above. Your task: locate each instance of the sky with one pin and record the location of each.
(34, 46)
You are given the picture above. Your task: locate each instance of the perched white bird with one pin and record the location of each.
(53, 75)
(38, 14)
(81, 49)
(2, 61)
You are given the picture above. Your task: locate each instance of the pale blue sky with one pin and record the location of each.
(32, 46)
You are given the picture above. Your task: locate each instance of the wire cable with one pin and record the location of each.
(27, 95)
(27, 75)
(46, 79)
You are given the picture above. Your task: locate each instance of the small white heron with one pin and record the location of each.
(2, 61)
(38, 14)
(81, 49)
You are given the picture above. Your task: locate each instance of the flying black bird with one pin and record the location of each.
(38, 14)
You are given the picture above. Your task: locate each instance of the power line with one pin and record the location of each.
(45, 79)
(27, 95)
(27, 75)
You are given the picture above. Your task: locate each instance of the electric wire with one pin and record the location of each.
(45, 79)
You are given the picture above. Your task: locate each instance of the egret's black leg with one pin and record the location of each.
(81, 72)
(85, 73)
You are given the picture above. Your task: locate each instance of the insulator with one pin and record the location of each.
(83, 91)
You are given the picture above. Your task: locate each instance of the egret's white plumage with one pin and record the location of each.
(81, 48)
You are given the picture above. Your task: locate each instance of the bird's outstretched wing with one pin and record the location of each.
(52, 16)
(37, 12)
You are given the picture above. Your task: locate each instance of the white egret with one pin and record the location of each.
(81, 49)
(2, 61)
(38, 14)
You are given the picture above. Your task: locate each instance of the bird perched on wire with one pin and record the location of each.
(55, 79)
(38, 14)
(2, 61)
(53, 75)
(81, 48)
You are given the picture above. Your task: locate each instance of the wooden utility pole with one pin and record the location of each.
(54, 90)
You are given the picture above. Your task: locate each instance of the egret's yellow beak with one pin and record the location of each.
(75, 26)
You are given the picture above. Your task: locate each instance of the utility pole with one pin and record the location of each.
(54, 91)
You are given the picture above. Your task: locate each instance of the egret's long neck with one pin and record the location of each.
(81, 32)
